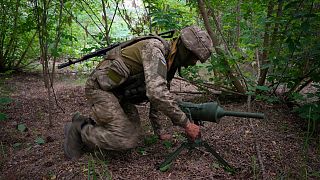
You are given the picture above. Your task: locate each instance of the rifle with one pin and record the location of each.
(210, 112)
(90, 55)
(103, 51)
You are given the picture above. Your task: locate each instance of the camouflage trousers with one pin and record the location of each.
(117, 124)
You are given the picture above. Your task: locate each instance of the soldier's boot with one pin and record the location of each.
(73, 145)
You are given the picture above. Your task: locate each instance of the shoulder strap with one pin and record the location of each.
(151, 36)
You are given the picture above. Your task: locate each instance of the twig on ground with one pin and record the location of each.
(188, 92)
(210, 86)
(256, 143)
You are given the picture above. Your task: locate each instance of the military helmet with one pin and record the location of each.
(197, 41)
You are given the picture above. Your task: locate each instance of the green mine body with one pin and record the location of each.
(212, 112)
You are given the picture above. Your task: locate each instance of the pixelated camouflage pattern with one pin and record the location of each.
(154, 117)
(197, 41)
(156, 85)
(118, 125)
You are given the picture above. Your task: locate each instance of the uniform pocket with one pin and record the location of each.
(110, 74)
(108, 79)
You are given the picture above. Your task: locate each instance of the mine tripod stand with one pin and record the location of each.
(192, 145)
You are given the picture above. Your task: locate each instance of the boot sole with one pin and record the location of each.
(66, 130)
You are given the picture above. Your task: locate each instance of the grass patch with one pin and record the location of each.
(97, 168)
(255, 167)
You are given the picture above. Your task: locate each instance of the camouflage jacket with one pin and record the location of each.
(148, 57)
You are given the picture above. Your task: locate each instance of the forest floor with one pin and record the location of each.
(274, 148)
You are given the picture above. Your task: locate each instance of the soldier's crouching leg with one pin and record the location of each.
(113, 129)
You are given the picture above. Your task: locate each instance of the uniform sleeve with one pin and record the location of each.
(155, 70)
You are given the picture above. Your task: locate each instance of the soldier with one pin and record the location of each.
(115, 123)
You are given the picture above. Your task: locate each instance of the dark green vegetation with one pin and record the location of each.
(266, 50)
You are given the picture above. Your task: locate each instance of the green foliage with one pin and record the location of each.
(310, 111)
(142, 151)
(39, 140)
(167, 15)
(3, 117)
(165, 168)
(3, 151)
(192, 73)
(94, 172)
(167, 144)
(17, 31)
(22, 127)
(91, 170)
(300, 52)
(268, 98)
(151, 140)
(17, 145)
(254, 167)
(4, 101)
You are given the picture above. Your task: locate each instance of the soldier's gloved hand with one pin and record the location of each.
(192, 130)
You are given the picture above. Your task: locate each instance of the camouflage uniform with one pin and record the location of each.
(117, 122)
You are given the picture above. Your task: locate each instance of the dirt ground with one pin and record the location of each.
(273, 148)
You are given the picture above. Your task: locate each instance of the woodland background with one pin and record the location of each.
(264, 50)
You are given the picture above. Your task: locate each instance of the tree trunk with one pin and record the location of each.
(266, 45)
(237, 84)
(26, 50)
(43, 40)
(56, 43)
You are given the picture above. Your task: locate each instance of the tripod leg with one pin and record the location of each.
(173, 155)
(227, 167)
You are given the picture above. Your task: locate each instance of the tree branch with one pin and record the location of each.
(115, 12)
(90, 15)
(124, 19)
(81, 25)
(93, 12)
(105, 18)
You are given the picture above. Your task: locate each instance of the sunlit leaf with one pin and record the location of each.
(165, 168)
(22, 127)
(39, 141)
(16, 145)
(263, 88)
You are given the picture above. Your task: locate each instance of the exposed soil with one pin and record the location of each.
(278, 141)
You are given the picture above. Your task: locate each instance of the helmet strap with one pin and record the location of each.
(172, 54)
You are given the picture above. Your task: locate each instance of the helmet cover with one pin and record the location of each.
(197, 41)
